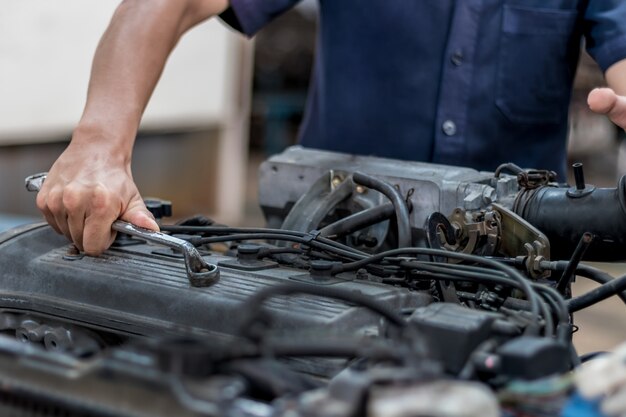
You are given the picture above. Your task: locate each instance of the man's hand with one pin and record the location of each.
(606, 101)
(612, 101)
(86, 190)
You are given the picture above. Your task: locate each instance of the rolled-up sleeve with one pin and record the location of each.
(606, 31)
(249, 16)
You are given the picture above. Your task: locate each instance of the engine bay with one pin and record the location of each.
(378, 288)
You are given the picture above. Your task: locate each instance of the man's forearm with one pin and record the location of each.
(616, 77)
(128, 63)
(90, 185)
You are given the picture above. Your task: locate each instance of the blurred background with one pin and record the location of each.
(222, 106)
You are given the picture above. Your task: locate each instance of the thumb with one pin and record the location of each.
(605, 101)
(138, 214)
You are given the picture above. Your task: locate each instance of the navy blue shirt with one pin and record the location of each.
(462, 82)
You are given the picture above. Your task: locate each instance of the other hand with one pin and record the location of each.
(87, 189)
(606, 101)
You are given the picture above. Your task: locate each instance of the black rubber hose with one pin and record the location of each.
(463, 275)
(597, 294)
(347, 252)
(556, 300)
(600, 277)
(509, 271)
(585, 271)
(229, 231)
(468, 268)
(358, 220)
(509, 166)
(548, 328)
(443, 273)
(400, 206)
(577, 256)
(225, 230)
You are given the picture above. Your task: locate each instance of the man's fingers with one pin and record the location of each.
(102, 210)
(97, 234)
(139, 215)
(602, 100)
(605, 101)
(76, 224)
(52, 222)
(73, 201)
(42, 205)
(54, 203)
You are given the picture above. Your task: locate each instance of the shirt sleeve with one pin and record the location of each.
(249, 16)
(606, 31)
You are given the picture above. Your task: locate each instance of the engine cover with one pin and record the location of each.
(141, 289)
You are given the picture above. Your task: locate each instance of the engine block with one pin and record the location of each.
(375, 283)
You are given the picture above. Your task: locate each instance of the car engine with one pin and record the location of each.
(379, 288)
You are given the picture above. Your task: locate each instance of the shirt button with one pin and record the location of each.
(457, 57)
(449, 127)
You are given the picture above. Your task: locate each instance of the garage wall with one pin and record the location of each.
(46, 47)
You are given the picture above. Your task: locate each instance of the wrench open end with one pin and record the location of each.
(205, 277)
(199, 272)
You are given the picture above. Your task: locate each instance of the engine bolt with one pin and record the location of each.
(58, 339)
(72, 254)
